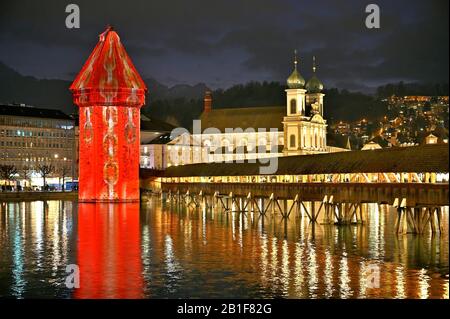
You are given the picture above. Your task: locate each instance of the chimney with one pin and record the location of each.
(207, 101)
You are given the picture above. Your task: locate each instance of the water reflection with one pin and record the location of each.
(163, 249)
(35, 239)
(109, 251)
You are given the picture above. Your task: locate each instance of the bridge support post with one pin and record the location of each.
(401, 221)
(294, 205)
(263, 207)
(329, 209)
(439, 214)
(226, 203)
(311, 214)
(215, 199)
(432, 219)
(248, 203)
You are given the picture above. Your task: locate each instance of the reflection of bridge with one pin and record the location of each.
(413, 179)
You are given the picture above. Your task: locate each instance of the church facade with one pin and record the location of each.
(304, 127)
(249, 133)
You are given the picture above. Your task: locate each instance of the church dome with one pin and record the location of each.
(314, 85)
(295, 80)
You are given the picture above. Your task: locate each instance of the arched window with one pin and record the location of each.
(292, 140)
(206, 143)
(293, 106)
(225, 143)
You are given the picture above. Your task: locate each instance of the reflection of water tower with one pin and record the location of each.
(109, 92)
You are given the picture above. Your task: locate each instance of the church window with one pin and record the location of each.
(292, 140)
(293, 106)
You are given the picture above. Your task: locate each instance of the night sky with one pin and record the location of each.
(224, 42)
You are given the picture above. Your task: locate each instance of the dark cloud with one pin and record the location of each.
(224, 42)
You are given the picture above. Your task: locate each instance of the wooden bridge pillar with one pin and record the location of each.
(417, 219)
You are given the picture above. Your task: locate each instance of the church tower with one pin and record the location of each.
(314, 97)
(295, 111)
(304, 126)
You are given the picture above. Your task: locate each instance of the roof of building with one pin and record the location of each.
(371, 145)
(109, 68)
(162, 139)
(154, 124)
(295, 80)
(245, 117)
(427, 158)
(31, 111)
(314, 85)
(338, 140)
(380, 141)
(440, 133)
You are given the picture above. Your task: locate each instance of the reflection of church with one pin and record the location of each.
(298, 128)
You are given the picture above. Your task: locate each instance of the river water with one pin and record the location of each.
(160, 250)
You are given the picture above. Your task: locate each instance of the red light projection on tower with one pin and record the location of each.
(109, 92)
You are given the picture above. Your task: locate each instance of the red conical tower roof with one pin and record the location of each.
(108, 77)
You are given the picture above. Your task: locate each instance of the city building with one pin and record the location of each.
(155, 134)
(371, 145)
(431, 139)
(342, 128)
(37, 143)
(248, 133)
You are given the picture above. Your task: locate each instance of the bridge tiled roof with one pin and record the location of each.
(426, 158)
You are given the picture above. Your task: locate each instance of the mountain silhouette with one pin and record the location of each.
(55, 94)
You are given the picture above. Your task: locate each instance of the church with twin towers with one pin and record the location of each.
(249, 133)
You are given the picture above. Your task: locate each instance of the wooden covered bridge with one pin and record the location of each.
(413, 179)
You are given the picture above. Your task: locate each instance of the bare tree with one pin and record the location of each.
(44, 171)
(7, 172)
(25, 173)
(65, 171)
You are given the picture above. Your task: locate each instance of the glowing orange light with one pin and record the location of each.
(109, 92)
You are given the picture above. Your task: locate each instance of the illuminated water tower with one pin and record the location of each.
(109, 92)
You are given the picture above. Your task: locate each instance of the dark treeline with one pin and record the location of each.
(250, 94)
(178, 112)
(181, 111)
(339, 104)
